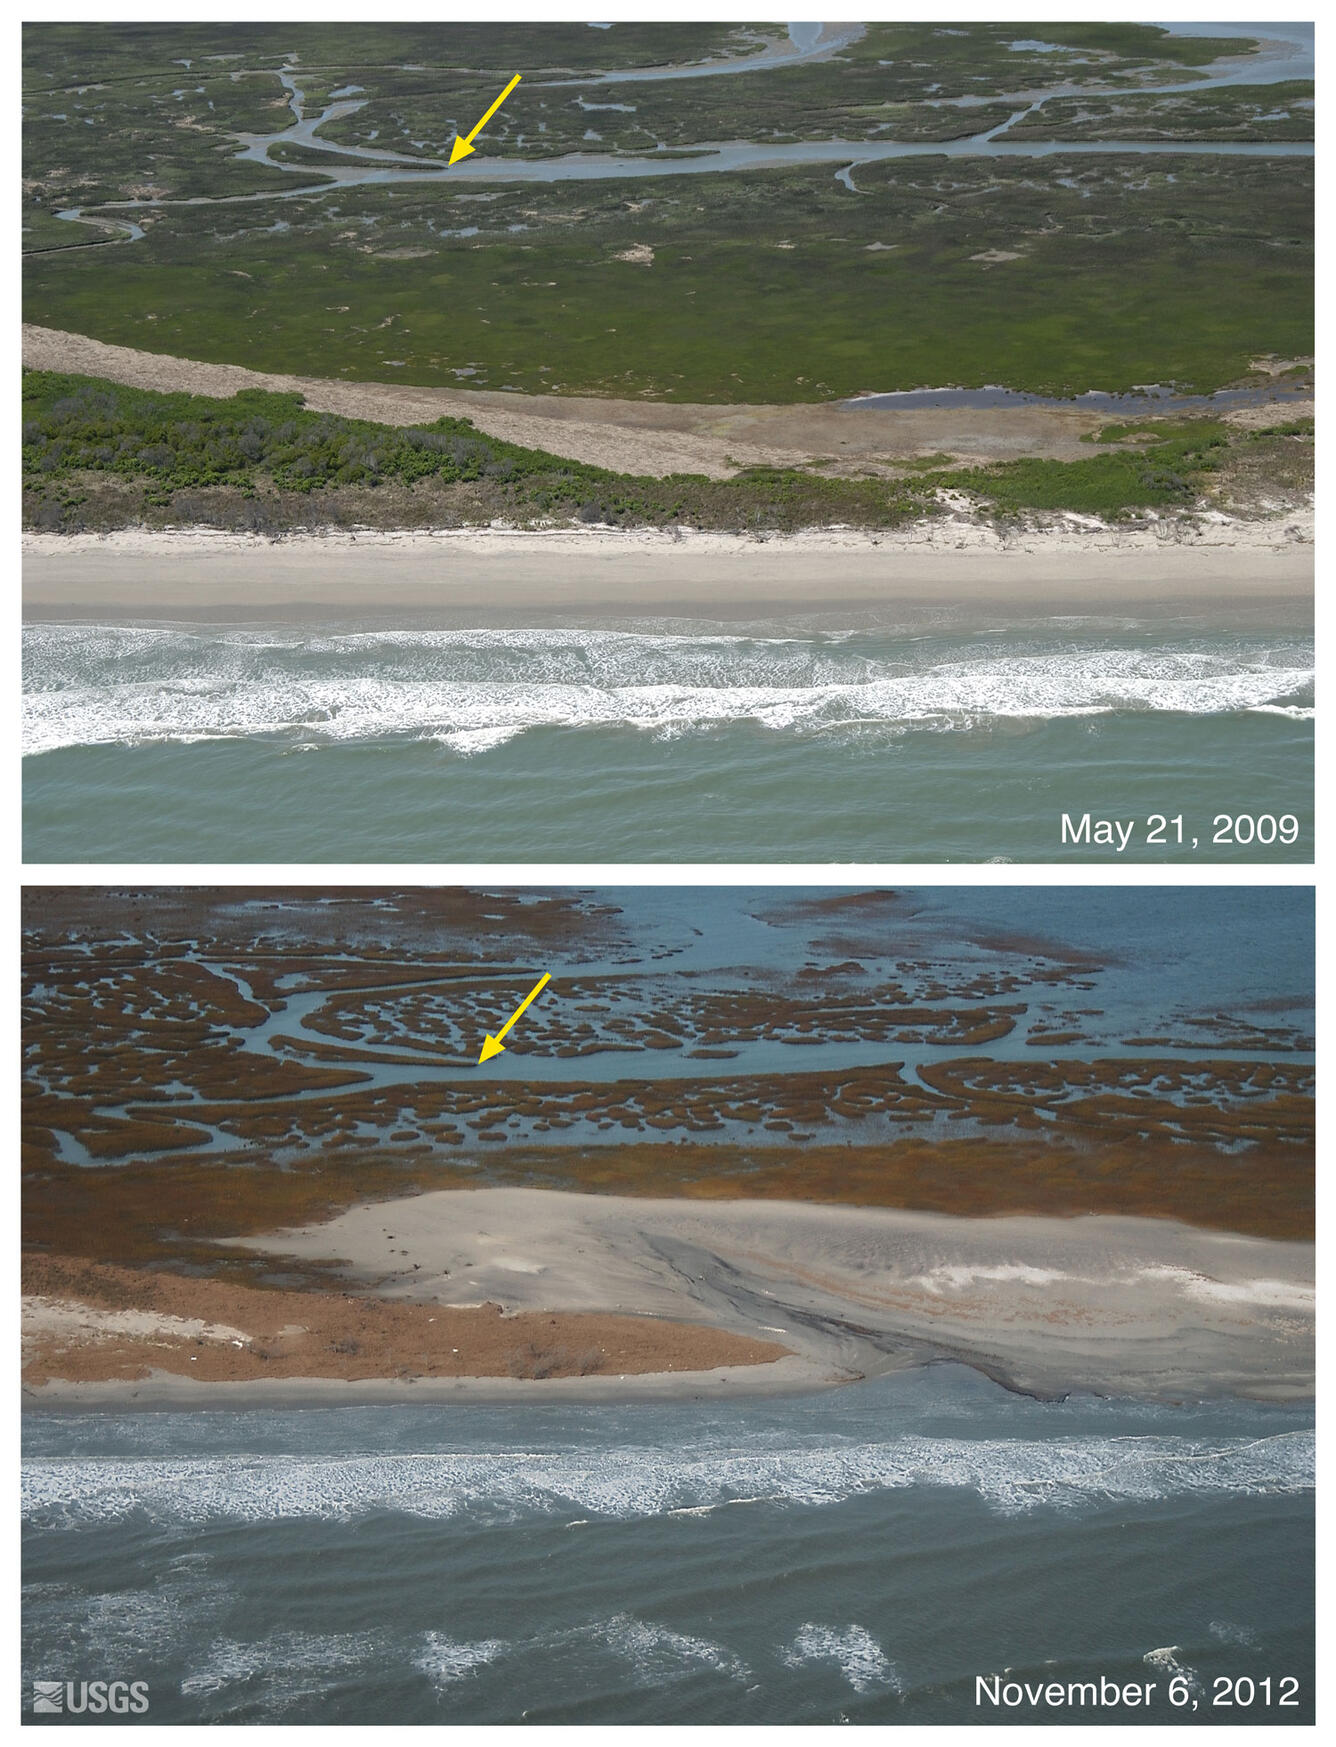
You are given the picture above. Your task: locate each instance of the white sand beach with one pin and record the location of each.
(953, 562)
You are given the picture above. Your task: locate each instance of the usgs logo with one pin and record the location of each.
(64, 1698)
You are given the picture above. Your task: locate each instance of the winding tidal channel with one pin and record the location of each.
(1286, 54)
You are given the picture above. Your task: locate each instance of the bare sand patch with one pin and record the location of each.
(1258, 418)
(63, 1322)
(1273, 366)
(1109, 1304)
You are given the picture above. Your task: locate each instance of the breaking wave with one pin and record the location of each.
(472, 691)
(853, 1650)
(1010, 1476)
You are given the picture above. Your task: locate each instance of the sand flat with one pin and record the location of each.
(1113, 1305)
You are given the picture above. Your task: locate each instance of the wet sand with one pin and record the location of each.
(161, 1390)
(1117, 1306)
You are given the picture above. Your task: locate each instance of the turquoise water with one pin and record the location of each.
(680, 742)
(861, 1556)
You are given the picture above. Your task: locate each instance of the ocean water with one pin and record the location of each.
(664, 742)
(860, 1555)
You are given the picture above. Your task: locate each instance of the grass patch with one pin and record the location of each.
(926, 463)
(763, 288)
(1165, 475)
(194, 457)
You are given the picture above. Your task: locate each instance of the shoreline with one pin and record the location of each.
(127, 1333)
(167, 1393)
(1209, 566)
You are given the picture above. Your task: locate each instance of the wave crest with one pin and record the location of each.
(1010, 1476)
(471, 691)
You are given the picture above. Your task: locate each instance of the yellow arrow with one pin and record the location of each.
(464, 143)
(493, 1045)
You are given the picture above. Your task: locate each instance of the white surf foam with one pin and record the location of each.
(1167, 1659)
(1008, 1475)
(444, 1660)
(287, 1665)
(853, 1650)
(102, 1633)
(474, 691)
(656, 1653)
(1227, 1632)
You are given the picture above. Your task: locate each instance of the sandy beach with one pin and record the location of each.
(949, 563)
(165, 1391)
(811, 1295)
(1114, 1305)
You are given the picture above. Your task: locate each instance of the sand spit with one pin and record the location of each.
(939, 568)
(1114, 1305)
